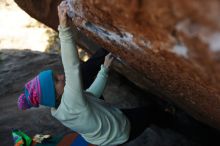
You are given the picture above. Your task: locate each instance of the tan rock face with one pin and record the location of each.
(171, 48)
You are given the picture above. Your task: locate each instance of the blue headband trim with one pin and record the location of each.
(48, 97)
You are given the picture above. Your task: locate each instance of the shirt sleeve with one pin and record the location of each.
(99, 83)
(73, 93)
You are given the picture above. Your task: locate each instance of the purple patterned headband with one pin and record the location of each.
(31, 96)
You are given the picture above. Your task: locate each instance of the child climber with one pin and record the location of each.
(81, 110)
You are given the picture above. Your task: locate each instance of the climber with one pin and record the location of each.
(81, 110)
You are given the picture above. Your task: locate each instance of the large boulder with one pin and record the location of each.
(170, 48)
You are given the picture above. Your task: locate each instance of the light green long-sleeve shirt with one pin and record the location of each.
(82, 111)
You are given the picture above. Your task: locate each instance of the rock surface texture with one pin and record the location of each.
(168, 47)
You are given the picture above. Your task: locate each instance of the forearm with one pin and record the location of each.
(99, 83)
(69, 52)
(70, 60)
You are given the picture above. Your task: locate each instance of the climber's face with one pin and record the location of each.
(59, 81)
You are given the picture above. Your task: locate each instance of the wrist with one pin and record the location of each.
(103, 67)
(63, 25)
